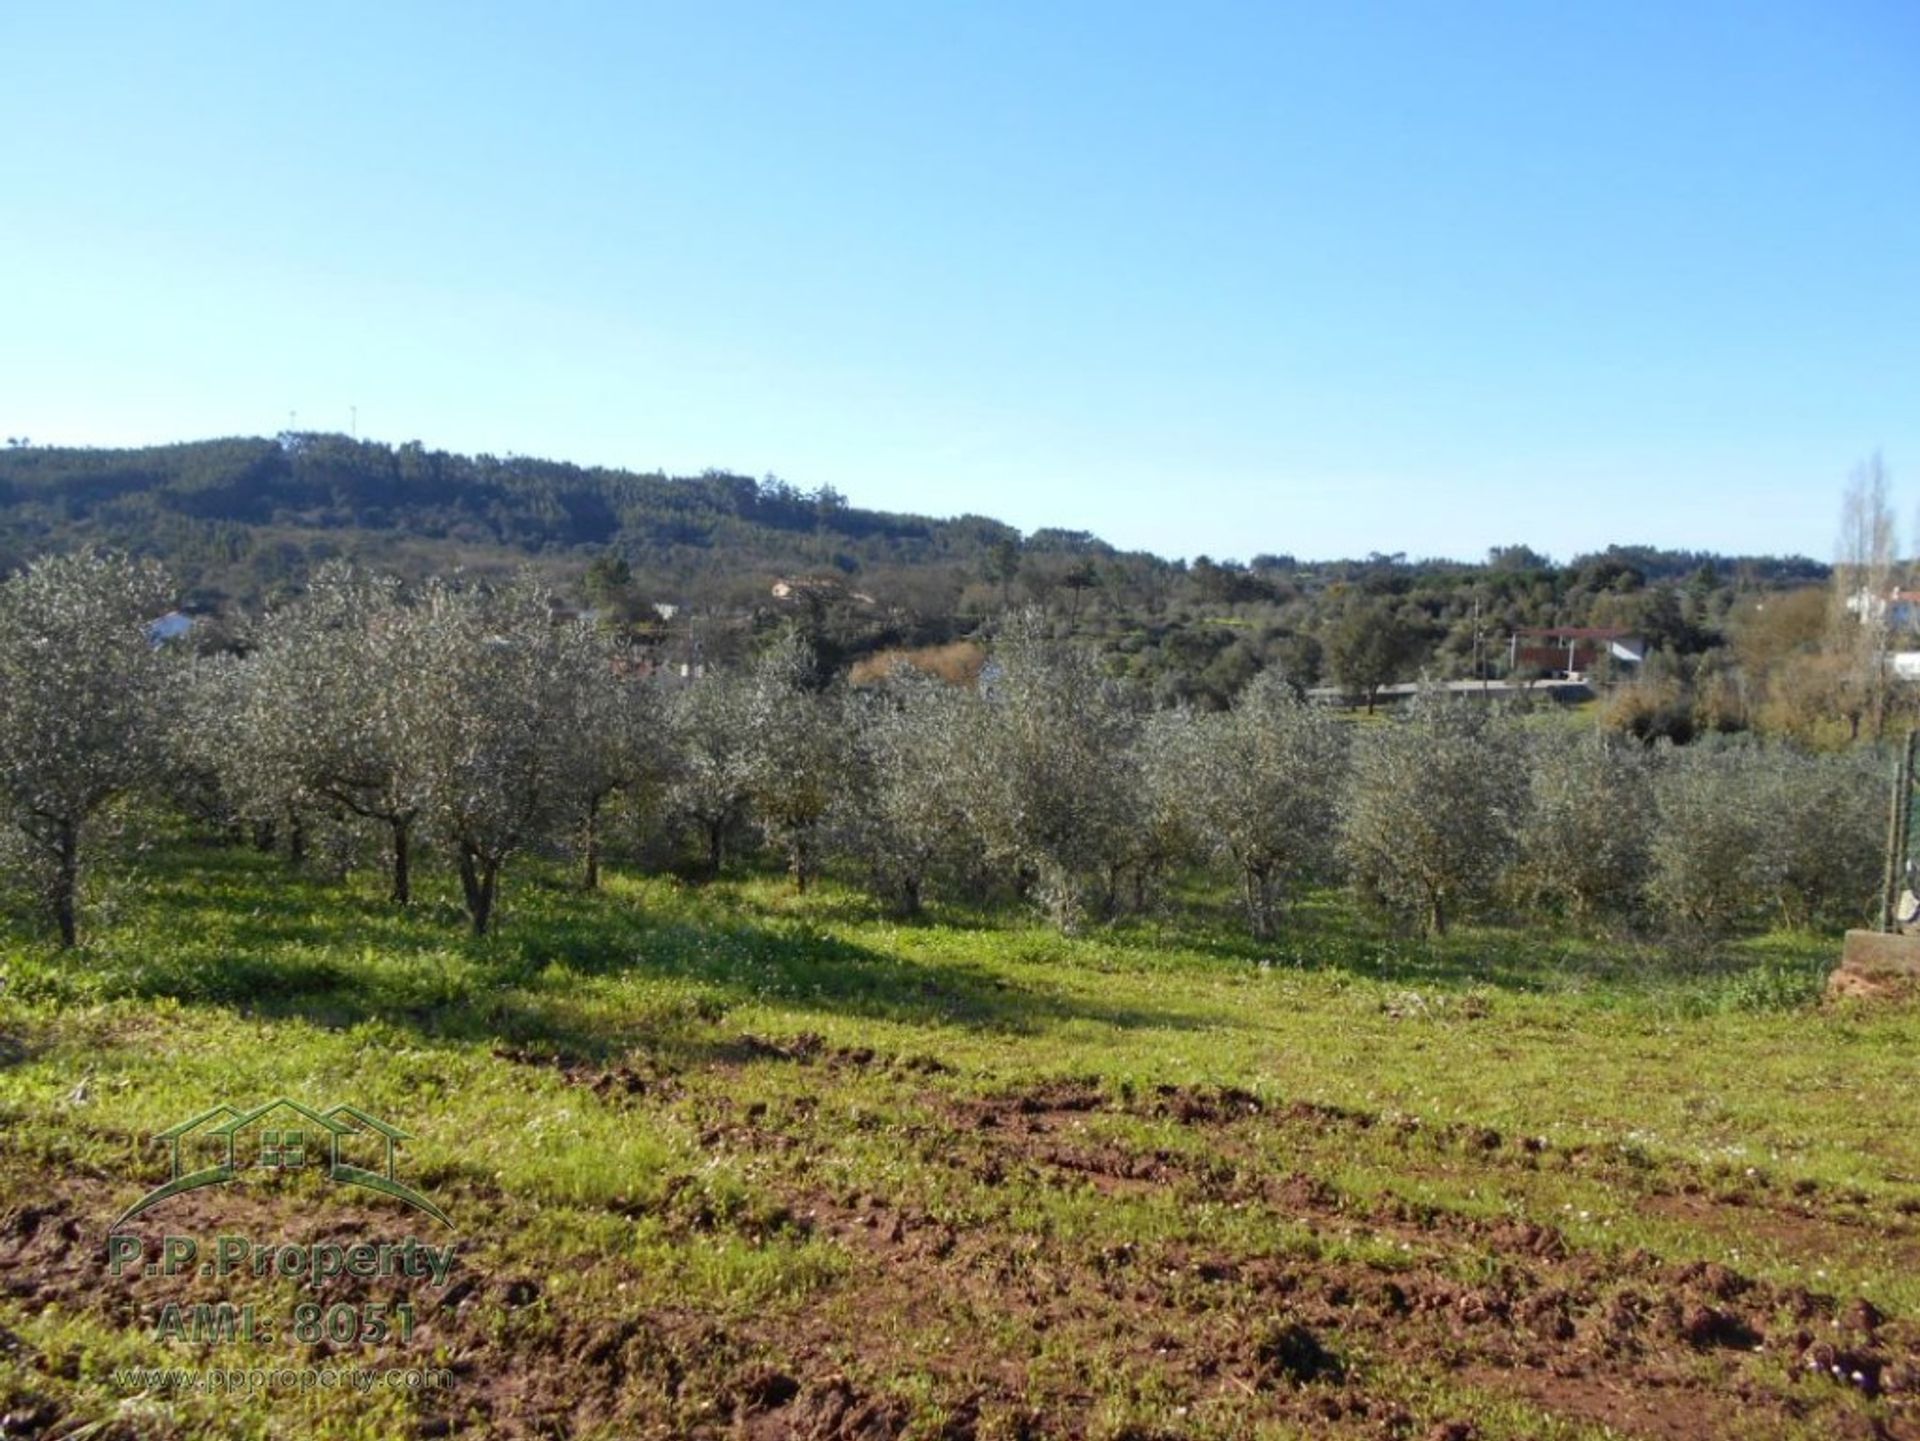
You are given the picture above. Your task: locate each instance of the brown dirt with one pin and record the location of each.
(1845, 985)
(1033, 1328)
(606, 1082)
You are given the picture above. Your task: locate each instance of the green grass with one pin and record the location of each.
(709, 1219)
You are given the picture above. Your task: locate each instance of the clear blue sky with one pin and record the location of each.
(1203, 278)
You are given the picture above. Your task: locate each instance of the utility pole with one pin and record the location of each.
(1899, 818)
(1482, 672)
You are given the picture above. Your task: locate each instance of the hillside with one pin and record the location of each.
(237, 517)
(250, 508)
(241, 520)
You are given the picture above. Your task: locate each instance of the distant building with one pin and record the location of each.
(1900, 608)
(1573, 649)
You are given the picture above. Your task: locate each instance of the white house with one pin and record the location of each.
(1901, 608)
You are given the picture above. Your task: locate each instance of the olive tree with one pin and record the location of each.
(1162, 830)
(711, 787)
(202, 739)
(1583, 836)
(1432, 806)
(622, 747)
(79, 724)
(252, 722)
(796, 753)
(908, 784)
(1050, 748)
(503, 757)
(336, 709)
(1825, 829)
(1711, 864)
(1262, 788)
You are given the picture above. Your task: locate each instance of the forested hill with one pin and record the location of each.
(240, 521)
(239, 516)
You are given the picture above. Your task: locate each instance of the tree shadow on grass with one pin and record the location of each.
(831, 901)
(15, 1050)
(569, 972)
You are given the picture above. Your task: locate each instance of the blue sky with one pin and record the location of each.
(1202, 278)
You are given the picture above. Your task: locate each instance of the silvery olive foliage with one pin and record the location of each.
(1259, 786)
(470, 717)
(711, 788)
(1165, 836)
(1825, 828)
(1433, 806)
(1746, 831)
(80, 720)
(904, 815)
(1712, 862)
(25, 868)
(620, 722)
(229, 732)
(1582, 844)
(797, 754)
(1050, 747)
(335, 711)
(201, 737)
(502, 763)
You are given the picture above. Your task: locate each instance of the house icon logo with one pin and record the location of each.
(224, 1143)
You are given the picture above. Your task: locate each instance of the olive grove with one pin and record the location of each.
(81, 706)
(461, 725)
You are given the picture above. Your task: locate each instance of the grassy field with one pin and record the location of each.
(732, 1162)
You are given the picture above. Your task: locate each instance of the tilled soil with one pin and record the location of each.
(1391, 1318)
